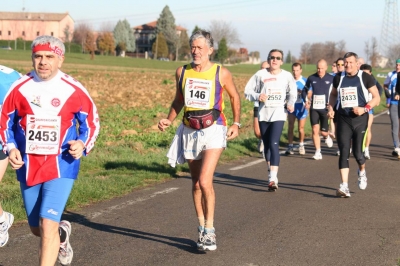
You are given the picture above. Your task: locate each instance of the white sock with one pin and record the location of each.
(273, 174)
(362, 172)
(318, 151)
(345, 184)
(301, 143)
(366, 149)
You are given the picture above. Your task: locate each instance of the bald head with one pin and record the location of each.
(264, 65)
(360, 62)
(322, 66)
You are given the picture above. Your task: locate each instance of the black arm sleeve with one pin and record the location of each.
(380, 88)
(336, 81)
(398, 85)
(368, 80)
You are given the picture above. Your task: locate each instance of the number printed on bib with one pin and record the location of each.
(197, 93)
(274, 98)
(319, 102)
(349, 97)
(42, 134)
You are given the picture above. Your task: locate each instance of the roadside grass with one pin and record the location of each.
(130, 151)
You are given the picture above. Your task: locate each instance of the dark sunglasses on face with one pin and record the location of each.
(340, 64)
(273, 57)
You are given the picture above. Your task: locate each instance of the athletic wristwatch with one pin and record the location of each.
(238, 124)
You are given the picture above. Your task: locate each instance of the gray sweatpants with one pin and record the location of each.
(394, 119)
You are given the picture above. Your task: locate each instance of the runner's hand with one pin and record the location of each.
(358, 110)
(164, 124)
(331, 113)
(233, 132)
(262, 98)
(14, 156)
(76, 148)
(397, 97)
(290, 108)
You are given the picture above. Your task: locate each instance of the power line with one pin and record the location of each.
(187, 10)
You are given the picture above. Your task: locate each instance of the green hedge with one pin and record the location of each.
(26, 45)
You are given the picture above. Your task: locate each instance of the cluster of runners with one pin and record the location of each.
(41, 111)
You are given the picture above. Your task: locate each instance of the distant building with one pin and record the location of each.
(29, 25)
(145, 33)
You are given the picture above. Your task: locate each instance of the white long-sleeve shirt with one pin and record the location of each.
(279, 89)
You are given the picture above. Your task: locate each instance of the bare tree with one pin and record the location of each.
(341, 48)
(81, 32)
(393, 55)
(330, 51)
(305, 53)
(67, 36)
(371, 49)
(221, 29)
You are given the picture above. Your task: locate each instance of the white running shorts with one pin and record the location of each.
(195, 141)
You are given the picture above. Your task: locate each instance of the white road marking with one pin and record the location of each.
(247, 165)
(130, 202)
(107, 210)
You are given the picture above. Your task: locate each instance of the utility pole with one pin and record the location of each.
(390, 27)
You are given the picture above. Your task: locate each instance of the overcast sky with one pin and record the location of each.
(261, 24)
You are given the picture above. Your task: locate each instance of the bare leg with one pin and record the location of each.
(49, 242)
(316, 139)
(202, 172)
(3, 167)
(301, 124)
(292, 119)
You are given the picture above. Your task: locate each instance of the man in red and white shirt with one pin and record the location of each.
(39, 121)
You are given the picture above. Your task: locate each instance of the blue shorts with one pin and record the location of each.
(371, 112)
(300, 111)
(46, 200)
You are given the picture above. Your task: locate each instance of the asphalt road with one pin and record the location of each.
(303, 223)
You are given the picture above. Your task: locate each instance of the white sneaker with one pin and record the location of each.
(338, 153)
(289, 150)
(209, 239)
(9, 219)
(362, 180)
(396, 152)
(317, 156)
(272, 183)
(343, 191)
(302, 150)
(200, 240)
(65, 254)
(366, 154)
(329, 142)
(260, 146)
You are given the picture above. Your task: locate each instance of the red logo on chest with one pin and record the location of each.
(55, 102)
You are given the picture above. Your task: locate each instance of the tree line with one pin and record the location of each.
(166, 42)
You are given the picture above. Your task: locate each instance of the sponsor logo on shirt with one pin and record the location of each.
(269, 80)
(327, 82)
(36, 101)
(55, 102)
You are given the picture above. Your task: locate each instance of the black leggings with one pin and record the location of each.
(351, 129)
(271, 133)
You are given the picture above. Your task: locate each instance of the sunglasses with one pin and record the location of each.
(340, 64)
(273, 57)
